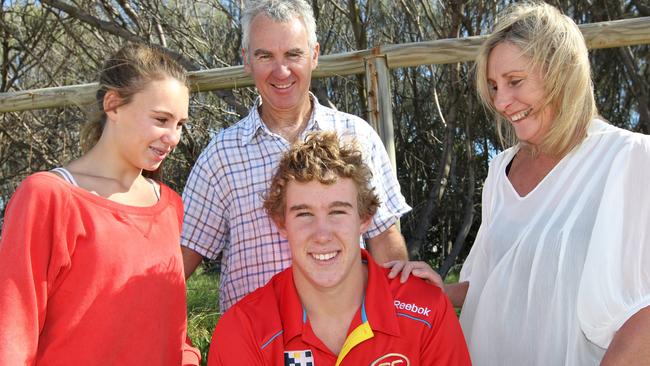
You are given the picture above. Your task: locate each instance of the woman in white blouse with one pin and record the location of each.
(559, 273)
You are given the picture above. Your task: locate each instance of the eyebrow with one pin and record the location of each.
(507, 74)
(304, 206)
(298, 207)
(340, 204)
(296, 50)
(261, 51)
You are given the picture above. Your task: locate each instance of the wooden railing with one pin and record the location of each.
(598, 35)
(374, 62)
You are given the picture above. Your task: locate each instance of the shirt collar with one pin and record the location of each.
(380, 308)
(253, 122)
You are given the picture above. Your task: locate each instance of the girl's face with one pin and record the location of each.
(149, 127)
(518, 93)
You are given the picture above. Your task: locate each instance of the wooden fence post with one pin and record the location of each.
(380, 109)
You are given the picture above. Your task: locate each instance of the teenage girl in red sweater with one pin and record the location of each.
(90, 265)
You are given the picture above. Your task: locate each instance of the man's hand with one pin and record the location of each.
(418, 269)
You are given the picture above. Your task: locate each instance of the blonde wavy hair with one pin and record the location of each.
(557, 49)
(323, 158)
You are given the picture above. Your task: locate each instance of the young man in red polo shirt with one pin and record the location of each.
(334, 305)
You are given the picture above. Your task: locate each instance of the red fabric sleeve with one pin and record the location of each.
(233, 341)
(191, 354)
(33, 253)
(445, 344)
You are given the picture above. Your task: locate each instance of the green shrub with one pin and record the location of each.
(202, 309)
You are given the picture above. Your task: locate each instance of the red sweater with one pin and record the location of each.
(88, 281)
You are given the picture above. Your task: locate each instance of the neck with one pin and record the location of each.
(289, 123)
(103, 162)
(340, 302)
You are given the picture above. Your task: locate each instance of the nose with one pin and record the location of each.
(323, 234)
(281, 70)
(502, 100)
(172, 136)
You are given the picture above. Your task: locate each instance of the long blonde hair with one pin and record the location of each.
(557, 49)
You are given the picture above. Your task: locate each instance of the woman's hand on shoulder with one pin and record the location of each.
(418, 269)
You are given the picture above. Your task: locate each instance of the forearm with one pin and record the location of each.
(388, 246)
(457, 292)
(191, 260)
(630, 345)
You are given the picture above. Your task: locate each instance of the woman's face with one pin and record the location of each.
(149, 127)
(518, 93)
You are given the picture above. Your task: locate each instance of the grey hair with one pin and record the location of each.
(281, 11)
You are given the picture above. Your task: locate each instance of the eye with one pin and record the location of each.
(338, 212)
(162, 120)
(515, 82)
(303, 214)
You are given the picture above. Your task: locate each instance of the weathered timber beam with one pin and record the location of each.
(615, 33)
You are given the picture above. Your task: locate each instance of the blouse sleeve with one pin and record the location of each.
(615, 283)
(33, 252)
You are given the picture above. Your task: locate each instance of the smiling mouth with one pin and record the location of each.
(159, 152)
(282, 86)
(520, 115)
(322, 257)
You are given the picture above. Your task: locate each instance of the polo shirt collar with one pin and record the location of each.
(379, 302)
(377, 307)
(253, 122)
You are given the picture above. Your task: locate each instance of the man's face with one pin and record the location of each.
(280, 62)
(323, 226)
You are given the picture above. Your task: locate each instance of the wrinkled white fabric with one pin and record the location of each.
(553, 275)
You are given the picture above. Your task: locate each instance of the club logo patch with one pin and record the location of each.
(299, 358)
(392, 359)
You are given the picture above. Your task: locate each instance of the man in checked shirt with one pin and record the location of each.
(223, 196)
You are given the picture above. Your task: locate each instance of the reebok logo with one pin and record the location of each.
(411, 307)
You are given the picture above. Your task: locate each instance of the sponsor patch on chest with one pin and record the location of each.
(420, 310)
(299, 358)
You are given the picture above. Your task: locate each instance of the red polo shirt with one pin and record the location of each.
(412, 322)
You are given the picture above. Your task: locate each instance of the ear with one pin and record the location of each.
(314, 63)
(247, 64)
(112, 101)
(365, 224)
(281, 228)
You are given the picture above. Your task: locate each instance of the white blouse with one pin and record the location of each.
(553, 275)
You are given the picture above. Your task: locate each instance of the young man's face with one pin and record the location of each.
(280, 62)
(323, 227)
